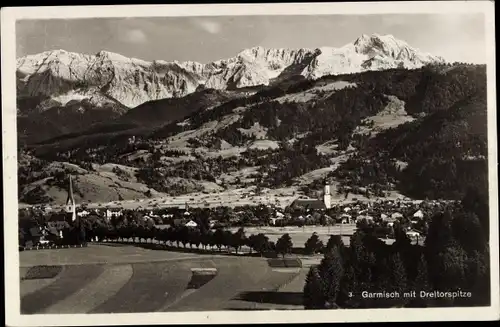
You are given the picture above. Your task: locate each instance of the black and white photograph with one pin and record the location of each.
(228, 163)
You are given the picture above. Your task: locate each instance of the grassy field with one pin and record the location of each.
(300, 235)
(107, 279)
(97, 254)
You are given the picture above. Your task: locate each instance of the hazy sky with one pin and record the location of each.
(456, 37)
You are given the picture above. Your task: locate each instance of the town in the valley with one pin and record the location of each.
(301, 216)
(192, 253)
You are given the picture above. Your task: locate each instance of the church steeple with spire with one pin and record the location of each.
(70, 201)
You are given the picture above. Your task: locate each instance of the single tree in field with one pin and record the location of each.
(313, 294)
(218, 238)
(260, 243)
(313, 245)
(184, 235)
(171, 236)
(141, 233)
(195, 237)
(211, 239)
(227, 239)
(204, 238)
(239, 239)
(250, 242)
(284, 245)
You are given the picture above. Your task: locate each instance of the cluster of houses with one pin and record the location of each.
(147, 215)
(412, 214)
(306, 211)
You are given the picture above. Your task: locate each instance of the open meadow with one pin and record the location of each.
(124, 278)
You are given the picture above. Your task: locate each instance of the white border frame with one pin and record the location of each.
(9, 146)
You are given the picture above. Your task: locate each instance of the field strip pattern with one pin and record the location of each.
(144, 292)
(231, 280)
(28, 286)
(154, 286)
(96, 292)
(176, 282)
(254, 295)
(290, 293)
(70, 280)
(33, 285)
(297, 284)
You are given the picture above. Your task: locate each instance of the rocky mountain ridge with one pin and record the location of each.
(60, 74)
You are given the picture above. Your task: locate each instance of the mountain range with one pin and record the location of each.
(60, 77)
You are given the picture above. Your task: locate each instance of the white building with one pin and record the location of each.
(327, 198)
(83, 213)
(191, 224)
(418, 214)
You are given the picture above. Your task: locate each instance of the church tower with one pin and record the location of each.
(327, 197)
(70, 201)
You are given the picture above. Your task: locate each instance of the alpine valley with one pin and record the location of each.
(374, 118)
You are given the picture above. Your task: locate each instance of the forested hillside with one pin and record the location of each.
(420, 132)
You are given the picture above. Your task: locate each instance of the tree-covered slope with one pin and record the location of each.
(420, 132)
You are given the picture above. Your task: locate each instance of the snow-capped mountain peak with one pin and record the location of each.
(368, 52)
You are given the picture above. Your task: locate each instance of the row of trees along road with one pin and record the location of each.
(194, 237)
(455, 257)
(183, 235)
(208, 239)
